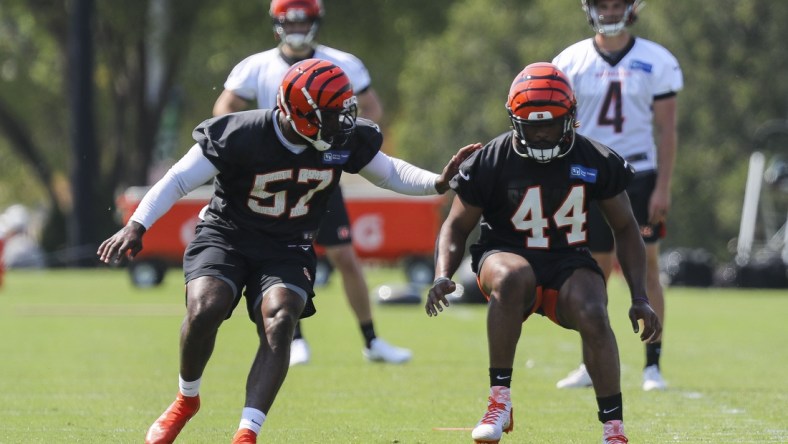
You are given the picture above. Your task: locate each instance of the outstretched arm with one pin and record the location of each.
(449, 251)
(631, 255)
(190, 172)
(402, 177)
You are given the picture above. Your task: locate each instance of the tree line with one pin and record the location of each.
(442, 69)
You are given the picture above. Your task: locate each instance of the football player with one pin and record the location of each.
(274, 171)
(256, 79)
(531, 188)
(626, 92)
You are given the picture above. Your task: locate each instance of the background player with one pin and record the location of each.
(257, 78)
(626, 92)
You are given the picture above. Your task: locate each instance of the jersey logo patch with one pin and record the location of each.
(643, 66)
(586, 174)
(336, 157)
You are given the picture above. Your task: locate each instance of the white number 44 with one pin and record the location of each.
(530, 217)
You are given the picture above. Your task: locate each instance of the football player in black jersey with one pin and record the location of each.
(531, 188)
(273, 173)
(256, 79)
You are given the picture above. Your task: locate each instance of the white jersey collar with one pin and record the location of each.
(290, 146)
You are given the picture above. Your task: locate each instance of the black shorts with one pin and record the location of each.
(552, 268)
(335, 226)
(253, 270)
(600, 237)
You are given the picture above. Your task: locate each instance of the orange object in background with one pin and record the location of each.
(389, 226)
(166, 240)
(386, 226)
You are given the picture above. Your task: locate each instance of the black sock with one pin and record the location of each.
(610, 408)
(368, 330)
(500, 376)
(652, 353)
(297, 334)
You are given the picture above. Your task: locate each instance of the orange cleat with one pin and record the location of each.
(245, 436)
(170, 423)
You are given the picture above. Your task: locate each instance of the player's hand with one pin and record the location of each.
(453, 167)
(652, 328)
(658, 207)
(127, 241)
(437, 295)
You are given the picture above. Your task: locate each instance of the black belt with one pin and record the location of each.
(636, 157)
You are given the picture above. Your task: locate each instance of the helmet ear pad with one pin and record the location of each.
(317, 99)
(539, 96)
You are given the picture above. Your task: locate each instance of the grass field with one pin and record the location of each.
(86, 358)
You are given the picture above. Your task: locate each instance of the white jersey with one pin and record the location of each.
(258, 76)
(615, 97)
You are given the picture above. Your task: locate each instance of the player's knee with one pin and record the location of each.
(342, 256)
(592, 317)
(205, 312)
(510, 279)
(279, 328)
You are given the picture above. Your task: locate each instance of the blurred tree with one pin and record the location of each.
(453, 90)
(442, 69)
(140, 47)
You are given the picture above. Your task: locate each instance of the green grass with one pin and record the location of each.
(86, 358)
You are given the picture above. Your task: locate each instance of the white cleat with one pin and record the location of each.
(577, 378)
(381, 351)
(497, 419)
(652, 379)
(613, 433)
(299, 352)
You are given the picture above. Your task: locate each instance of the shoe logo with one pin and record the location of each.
(606, 411)
(502, 378)
(465, 175)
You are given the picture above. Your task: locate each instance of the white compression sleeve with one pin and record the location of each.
(191, 171)
(399, 176)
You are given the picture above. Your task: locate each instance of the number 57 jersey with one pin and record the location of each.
(269, 189)
(538, 206)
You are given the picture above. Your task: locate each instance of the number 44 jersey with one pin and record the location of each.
(538, 206)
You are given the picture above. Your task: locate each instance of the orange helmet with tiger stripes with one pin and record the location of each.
(542, 95)
(317, 99)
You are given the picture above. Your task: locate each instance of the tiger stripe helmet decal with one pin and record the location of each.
(317, 99)
(542, 94)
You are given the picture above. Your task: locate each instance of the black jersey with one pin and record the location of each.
(538, 206)
(265, 192)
